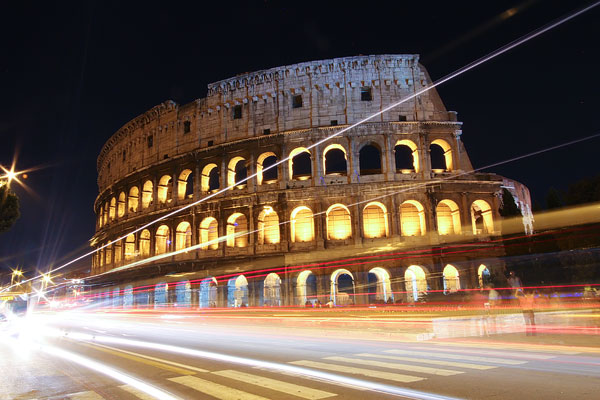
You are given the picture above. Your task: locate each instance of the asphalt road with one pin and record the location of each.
(95, 356)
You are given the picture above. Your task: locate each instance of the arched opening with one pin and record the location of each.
(412, 218)
(117, 299)
(451, 279)
(130, 247)
(406, 156)
(415, 281)
(375, 220)
(183, 294)
(165, 189)
(335, 160)
(145, 243)
(448, 218)
(380, 287)
(236, 172)
(185, 185)
(342, 287)
(118, 249)
(108, 251)
(162, 242)
(266, 160)
(302, 225)
(209, 181)
(161, 295)
(268, 226)
(113, 209)
(369, 158)
(208, 293)
(483, 276)
(237, 292)
(482, 218)
(128, 296)
(339, 224)
(121, 205)
(99, 213)
(272, 290)
(133, 199)
(306, 288)
(300, 164)
(105, 214)
(209, 233)
(147, 194)
(101, 258)
(237, 230)
(183, 236)
(440, 154)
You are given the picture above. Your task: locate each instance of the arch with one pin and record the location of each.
(341, 291)
(112, 211)
(268, 226)
(380, 288)
(306, 287)
(164, 190)
(369, 159)
(108, 251)
(183, 294)
(236, 171)
(335, 160)
(451, 279)
(375, 220)
(208, 292)
(209, 180)
(483, 276)
(265, 160)
(412, 218)
(415, 281)
(185, 185)
(440, 154)
(117, 299)
(237, 292)
(134, 199)
(105, 214)
(162, 240)
(128, 296)
(448, 218)
(147, 194)
(161, 295)
(339, 223)
(118, 248)
(302, 225)
(482, 218)
(237, 229)
(183, 236)
(406, 156)
(209, 233)
(130, 247)
(121, 205)
(145, 243)
(101, 259)
(300, 164)
(272, 290)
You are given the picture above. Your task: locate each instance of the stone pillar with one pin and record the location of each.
(361, 287)
(317, 167)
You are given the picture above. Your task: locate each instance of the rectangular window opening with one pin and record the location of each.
(402, 118)
(210, 143)
(297, 101)
(267, 131)
(124, 155)
(150, 141)
(237, 112)
(366, 94)
(187, 127)
(334, 122)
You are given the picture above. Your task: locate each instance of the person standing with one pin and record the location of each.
(527, 302)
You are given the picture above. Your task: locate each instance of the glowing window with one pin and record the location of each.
(300, 164)
(441, 156)
(129, 247)
(121, 205)
(268, 226)
(448, 218)
(483, 275)
(412, 218)
(415, 282)
(237, 230)
(482, 218)
(162, 240)
(113, 209)
(272, 290)
(108, 255)
(334, 160)
(302, 225)
(164, 189)
(382, 290)
(145, 243)
(236, 171)
(185, 185)
(451, 279)
(209, 233)
(118, 247)
(266, 160)
(147, 194)
(183, 236)
(406, 156)
(339, 224)
(209, 180)
(375, 224)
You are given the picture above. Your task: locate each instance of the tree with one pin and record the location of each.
(583, 191)
(9, 208)
(509, 207)
(553, 199)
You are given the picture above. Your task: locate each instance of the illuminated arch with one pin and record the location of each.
(112, 211)
(237, 291)
(412, 218)
(272, 290)
(236, 171)
(185, 184)
(297, 173)
(375, 220)
(161, 295)
(306, 287)
(118, 248)
(339, 223)
(209, 233)
(340, 290)
(108, 251)
(121, 205)
(330, 164)
(105, 214)
(145, 243)
(451, 279)
(162, 241)
(447, 152)
(383, 287)
(268, 226)
(209, 180)
(415, 281)
(183, 294)
(164, 189)
(128, 296)
(133, 199)
(208, 292)
(183, 236)
(483, 275)
(237, 229)
(482, 217)
(129, 247)
(448, 218)
(369, 159)
(408, 164)
(302, 225)
(265, 160)
(147, 194)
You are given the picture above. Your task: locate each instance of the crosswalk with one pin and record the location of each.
(392, 366)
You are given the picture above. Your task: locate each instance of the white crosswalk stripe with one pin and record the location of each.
(492, 360)
(404, 367)
(428, 361)
(392, 376)
(491, 353)
(137, 393)
(214, 389)
(88, 395)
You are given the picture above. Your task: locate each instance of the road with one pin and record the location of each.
(123, 356)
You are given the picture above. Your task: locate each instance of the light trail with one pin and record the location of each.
(460, 71)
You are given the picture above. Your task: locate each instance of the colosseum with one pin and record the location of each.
(389, 210)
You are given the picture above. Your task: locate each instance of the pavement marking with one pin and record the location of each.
(273, 384)
(539, 348)
(137, 393)
(491, 353)
(428, 361)
(214, 389)
(458, 357)
(404, 367)
(89, 395)
(391, 376)
(141, 359)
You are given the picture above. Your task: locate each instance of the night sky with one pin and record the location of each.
(71, 75)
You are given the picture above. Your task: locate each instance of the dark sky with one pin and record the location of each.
(72, 74)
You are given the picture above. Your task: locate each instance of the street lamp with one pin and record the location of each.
(16, 273)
